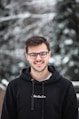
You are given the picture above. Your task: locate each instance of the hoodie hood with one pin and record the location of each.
(25, 75)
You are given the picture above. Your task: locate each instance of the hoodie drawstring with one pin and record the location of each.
(42, 116)
(32, 101)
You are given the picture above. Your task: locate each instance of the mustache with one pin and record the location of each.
(38, 61)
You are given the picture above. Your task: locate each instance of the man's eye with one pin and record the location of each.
(43, 53)
(33, 54)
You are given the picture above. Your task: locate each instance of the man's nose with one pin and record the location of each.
(38, 56)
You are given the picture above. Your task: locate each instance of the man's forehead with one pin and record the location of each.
(38, 47)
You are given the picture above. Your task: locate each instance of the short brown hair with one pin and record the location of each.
(36, 40)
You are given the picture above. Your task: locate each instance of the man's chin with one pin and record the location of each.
(39, 69)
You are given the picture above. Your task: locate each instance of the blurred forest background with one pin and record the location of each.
(57, 20)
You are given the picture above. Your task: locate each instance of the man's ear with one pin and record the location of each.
(26, 56)
(50, 53)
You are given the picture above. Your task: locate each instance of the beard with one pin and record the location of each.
(37, 70)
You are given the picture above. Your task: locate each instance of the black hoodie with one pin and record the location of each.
(54, 98)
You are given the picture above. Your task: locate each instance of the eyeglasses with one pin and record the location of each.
(41, 54)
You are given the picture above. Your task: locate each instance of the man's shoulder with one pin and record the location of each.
(14, 81)
(66, 82)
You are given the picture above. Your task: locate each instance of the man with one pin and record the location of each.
(40, 92)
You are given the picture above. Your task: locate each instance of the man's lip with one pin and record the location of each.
(38, 63)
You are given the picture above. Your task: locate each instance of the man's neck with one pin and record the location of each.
(40, 76)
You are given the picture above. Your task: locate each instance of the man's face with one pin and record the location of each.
(38, 57)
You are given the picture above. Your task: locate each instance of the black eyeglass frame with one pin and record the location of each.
(41, 54)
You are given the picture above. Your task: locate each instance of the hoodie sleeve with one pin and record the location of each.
(9, 105)
(70, 108)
